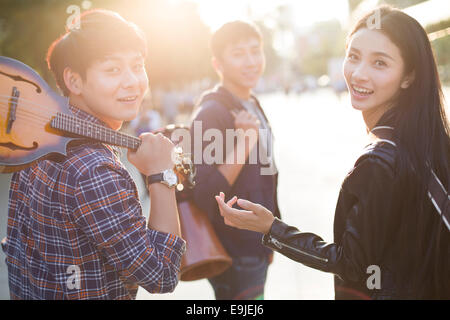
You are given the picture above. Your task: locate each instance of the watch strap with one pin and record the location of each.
(154, 178)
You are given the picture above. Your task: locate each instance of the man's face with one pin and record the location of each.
(114, 87)
(242, 63)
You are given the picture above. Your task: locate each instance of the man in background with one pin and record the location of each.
(238, 58)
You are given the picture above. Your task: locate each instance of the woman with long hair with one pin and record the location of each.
(384, 219)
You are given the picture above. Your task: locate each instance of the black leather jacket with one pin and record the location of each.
(363, 233)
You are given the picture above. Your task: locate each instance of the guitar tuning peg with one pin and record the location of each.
(178, 150)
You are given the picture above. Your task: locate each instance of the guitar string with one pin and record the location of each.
(30, 102)
(41, 116)
(38, 115)
(29, 118)
(45, 118)
(42, 119)
(105, 134)
(135, 142)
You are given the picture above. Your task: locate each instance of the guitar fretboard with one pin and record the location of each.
(74, 125)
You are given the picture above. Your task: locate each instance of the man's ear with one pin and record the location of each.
(407, 80)
(73, 81)
(217, 65)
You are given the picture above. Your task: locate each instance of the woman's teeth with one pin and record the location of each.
(362, 90)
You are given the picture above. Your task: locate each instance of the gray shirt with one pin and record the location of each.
(265, 140)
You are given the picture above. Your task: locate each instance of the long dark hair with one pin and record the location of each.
(423, 141)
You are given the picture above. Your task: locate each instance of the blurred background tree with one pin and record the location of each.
(178, 39)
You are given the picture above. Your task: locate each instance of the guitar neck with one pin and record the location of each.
(74, 125)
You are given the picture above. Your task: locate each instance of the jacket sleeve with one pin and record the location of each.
(209, 180)
(366, 227)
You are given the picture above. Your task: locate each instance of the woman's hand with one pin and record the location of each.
(254, 217)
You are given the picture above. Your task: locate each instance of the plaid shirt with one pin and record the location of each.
(76, 230)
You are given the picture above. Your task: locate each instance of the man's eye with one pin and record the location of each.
(380, 63)
(113, 70)
(352, 56)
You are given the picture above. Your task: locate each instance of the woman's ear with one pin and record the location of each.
(408, 80)
(73, 81)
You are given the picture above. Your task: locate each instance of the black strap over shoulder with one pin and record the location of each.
(221, 95)
(437, 193)
(224, 97)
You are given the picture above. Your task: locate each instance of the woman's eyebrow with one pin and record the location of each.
(383, 54)
(376, 53)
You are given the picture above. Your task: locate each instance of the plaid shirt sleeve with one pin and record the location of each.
(109, 213)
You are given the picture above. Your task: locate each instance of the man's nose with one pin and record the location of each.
(251, 59)
(129, 79)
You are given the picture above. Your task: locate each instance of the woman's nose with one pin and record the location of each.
(360, 72)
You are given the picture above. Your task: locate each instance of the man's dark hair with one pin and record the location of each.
(233, 32)
(98, 33)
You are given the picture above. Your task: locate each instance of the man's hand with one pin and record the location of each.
(234, 161)
(154, 155)
(254, 217)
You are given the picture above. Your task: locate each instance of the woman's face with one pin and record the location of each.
(373, 70)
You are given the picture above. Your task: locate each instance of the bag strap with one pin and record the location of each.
(437, 194)
(224, 97)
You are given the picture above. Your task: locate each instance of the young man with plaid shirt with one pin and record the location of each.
(75, 227)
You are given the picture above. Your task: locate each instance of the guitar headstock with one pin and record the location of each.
(184, 167)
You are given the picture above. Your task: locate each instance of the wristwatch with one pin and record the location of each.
(167, 177)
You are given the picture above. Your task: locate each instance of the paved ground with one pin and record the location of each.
(318, 137)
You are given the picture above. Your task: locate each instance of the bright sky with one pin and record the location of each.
(302, 12)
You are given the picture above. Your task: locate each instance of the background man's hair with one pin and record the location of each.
(231, 33)
(100, 33)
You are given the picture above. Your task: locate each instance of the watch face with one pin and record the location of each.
(170, 177)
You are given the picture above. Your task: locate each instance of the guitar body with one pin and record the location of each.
(27, 105)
